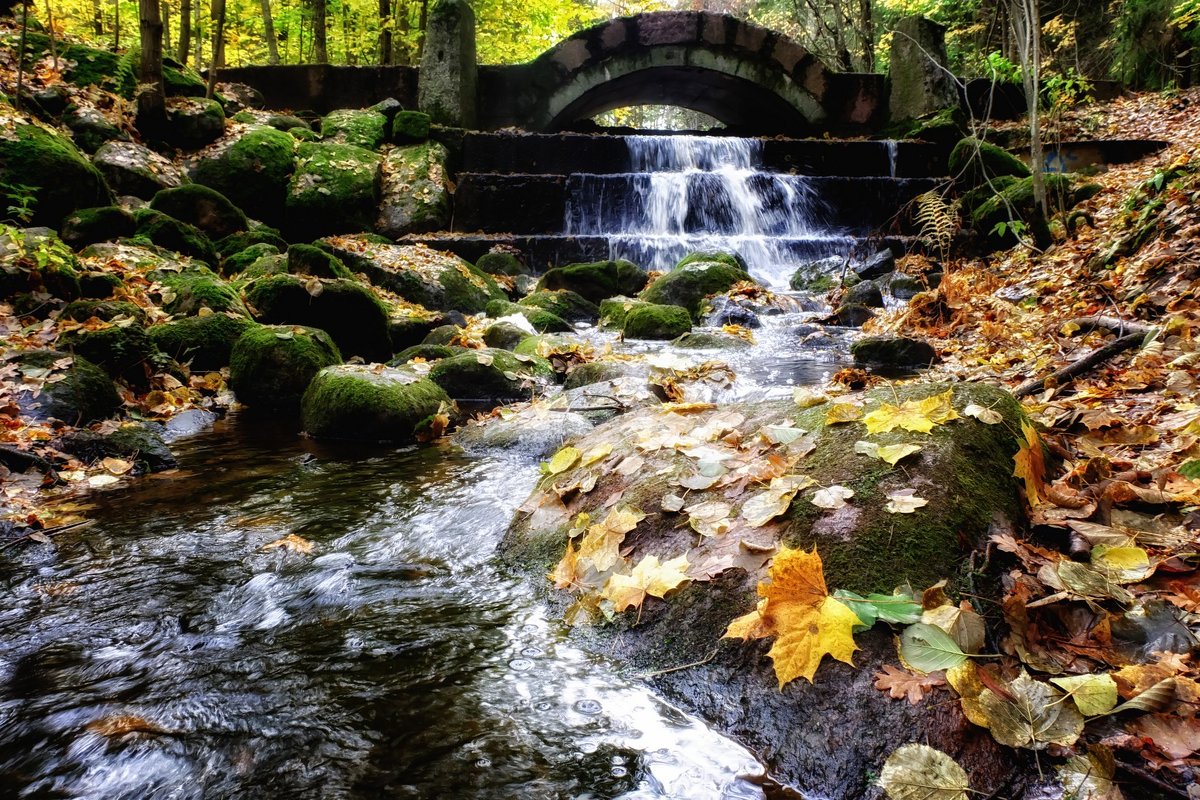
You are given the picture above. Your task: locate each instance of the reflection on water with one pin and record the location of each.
(163, 653)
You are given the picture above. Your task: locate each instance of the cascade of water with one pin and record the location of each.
(893, 150)
(689, 193)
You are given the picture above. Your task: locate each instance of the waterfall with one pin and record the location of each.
(690, 193)
(893, 150)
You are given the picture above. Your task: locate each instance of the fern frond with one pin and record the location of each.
(937, 220)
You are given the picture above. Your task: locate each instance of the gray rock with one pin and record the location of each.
(866, 294)
(414, 196)
(921, 80)
(133, 169)
(534, 433)
(448, 65)
(880, 263)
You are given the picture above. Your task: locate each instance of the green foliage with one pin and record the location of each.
(21, 200)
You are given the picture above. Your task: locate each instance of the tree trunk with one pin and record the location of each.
(165, 10)
(218, 45)
(385, 31)
(1025, 16)
(320, 36)
(97, 19)
(422, 25)
(151, 99)
(185, 31)
(50, 31)
(269, 33)
(116, 24)
(866, 24)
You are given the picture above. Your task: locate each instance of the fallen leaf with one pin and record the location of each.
(898, 609)
(929, 648)
(1030, 464)
(963, 625)
(832, 497)
(900, 683)
(774, 501)
(648, 579)
(562, 461)
(1093, 694)
(985, 415)
(1037, 716)
(904, 501)
(710, 518)
(891, 453)
(292, 543)
(117, 466)
(1176, 736)
(919, 772)
(1090, 776)
(843, 412)
(918, 416)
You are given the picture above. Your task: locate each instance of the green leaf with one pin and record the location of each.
(929, 648)
(897, 609)
(1191, 470)
(1093, 694)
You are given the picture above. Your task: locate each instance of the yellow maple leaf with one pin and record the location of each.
(1030, 464)
(566, 572)
(842, 412)
(600, 548)
(913, 415)
(648, 578)
(749, 626)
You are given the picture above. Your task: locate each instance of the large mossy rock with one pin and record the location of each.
(133, 169)
(439, 281)
(90, 129)
(193, 123)
(367, 402)
(36, 260)
(651, 321)
(207, 209)
(335, 189)
(563, 303)
(72, 389)
(139, 442)
(360, 127)
(202, 342)
(123, 350)
(252, 171)
(502, 262)
(1015, 201)
(830, 736)
(973, 163)
(104, 310)
(56, 174)
(689, 284)
(543, 321)
(345, 309)
(491, 377)
(897, 352)
(90, 225)
(597, 281)
(414, 196)
(166, 232)
(307, 259)
(193, 287)
(271, 366)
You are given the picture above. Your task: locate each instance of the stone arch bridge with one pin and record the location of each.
(752, 79)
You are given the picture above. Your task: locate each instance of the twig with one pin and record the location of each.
(1158, 783)
(1130, 336)
(48, 532)
(700, 663)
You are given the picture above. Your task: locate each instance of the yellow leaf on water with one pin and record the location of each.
(292, 543)
(648, 579)
(562, 461)
(117, 466)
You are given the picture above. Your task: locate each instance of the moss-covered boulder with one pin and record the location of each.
(409, 127)
(369, 403)
(133, 169)
(172, 234)
(850, 315)
(414, 197)
(443, 334)
(90, 129)
(98, 284)
(614, 310)
(90, 225)
(710, 340)
(272, 365)
(204, 342)
(594, 372)
(893, 351)
(207, 209)
(193, 123)
(436, 280)
(105, 310)
(943, 128)
(504, 336)
(335, 189)
(286, 122)
(252, 171)
(69, 387)
(973, 163)
(822, 274)
(1015, 203)
(56, 176)
(35, 259)
(491, 377)
(138, 442)
(425, 352)
(502, 262)
(239, 262)
(690, 284)
(122, 349)
(360, 127)
(864, 293)
(563, 303)
(596, 281)
(193, 287)
(237, 242)
(305, 259)
(408, 329)
(713, 257)
(964, 472)
(348, 311)
(653, 321)
(543, 321)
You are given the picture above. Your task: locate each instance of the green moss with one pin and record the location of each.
(242, 260)
(348, 311)
(198, 287)
(415, 193)
(443, 334)
(944, 128)
(61, 179)
(428, 352)
(304, 135)
(697, 340)
(125, 352)
(195, 122)
(614, 310)
(181, 81)
(203, 342)
(1016, 201)
(365, 129)
(563, 303)
(530, 346)
(271, 366)
(83, 394)
(689, 285)
(107, 310)
(543, 321)
(410, 126)
(34, 259)
(304, 259)
(172, 234)
(286, 122)
(713, 257)
(596, 281)
(593, 372)
(973, 163)
(261, 267)
(207, 209)
(504, 336)
(490, 376)
(501, 263)
(237, 242)
(253, 172)
(359, 402)
(652, 321)
(90, 225)
(335, 189)
(893, 351)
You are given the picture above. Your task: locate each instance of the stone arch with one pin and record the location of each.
(740, 73)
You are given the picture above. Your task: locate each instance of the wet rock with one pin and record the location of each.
(880, 263)
(707, 340)
(409, 127)
(193, 123)
(389, 107)
(728, 312)
(90, 129)
(614, 310)
(252, 170)
(818, 276)
(414, 195)
(866, 293)
(204, 343)
(973, 163)
(603, 400)
(79, 393)
(893, 351)
(436, 280)
(850, 316)
(491, 376)
(362, 128)
(57, 176)
(139, 442)
(595, 372)
(596, 281)
(272, 365)
(539, 319)
(408, 330)
(500, 262)
(348, 311)
(98, 285)
(369, 402)
(132, 169)
(192, 422)
(564, 304)
(443, 335)
(124, 351)
(904, 287)
(652, 321)
(425, 352)
(533, 432)
(335, 189)
(691, 283)
(205, 208)
(90, 225)
(36, 260)
(713, 257)
(504, 336)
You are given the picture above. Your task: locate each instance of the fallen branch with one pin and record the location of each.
(1130, 335)
(47, 533)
